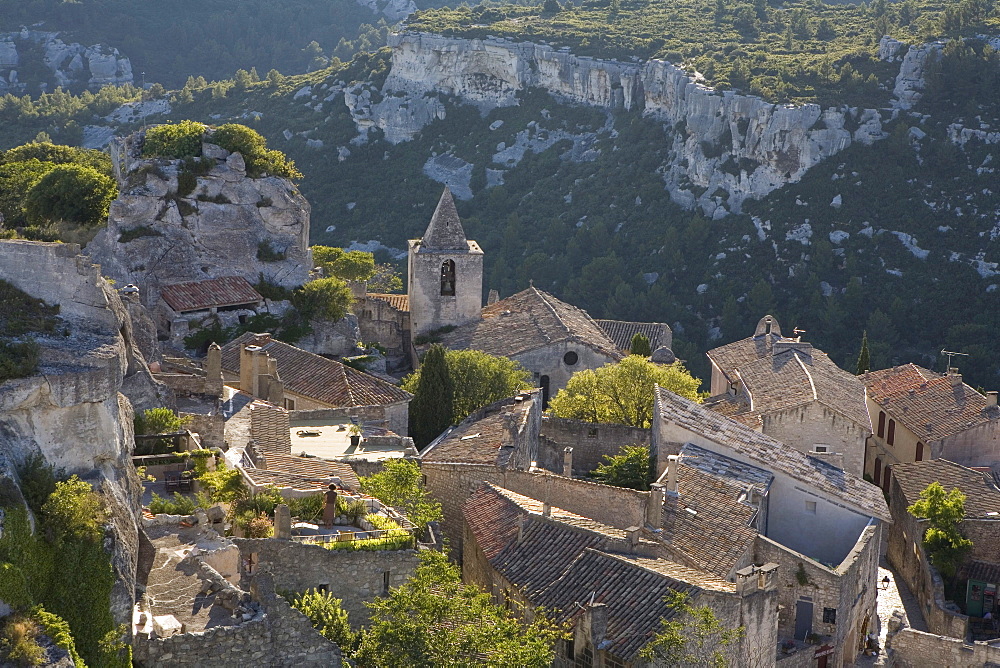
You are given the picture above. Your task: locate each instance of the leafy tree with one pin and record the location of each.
(174, 140)
(70, 193)
(694, 637)
(436, 620)
(864, 361)
(159, 421)
(224, 484)
(640, 345)
(944, 542)
(327, 617)
(623, 392)
(386, 279)
(433, 407)
(74, 512)
(629, 468)
(59, 155)
(348, 265)
(478, 380)
(398, 485)
(323, 299)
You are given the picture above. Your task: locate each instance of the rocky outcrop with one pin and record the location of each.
(394, 10)
(74, 410)
(71, 65)
(912, 64)
(726, 146)
(214, 230)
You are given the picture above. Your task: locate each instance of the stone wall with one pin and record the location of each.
(590, 442)
(380, 321)
(280, 637)
(396, 416)
(429, 309)
(549, 361)
(910, 648)
(805, 427)
(905, 552)
(354, 576)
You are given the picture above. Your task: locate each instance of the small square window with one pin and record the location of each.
(323, 587)
(811, 507)
(592, 432)
(829, 615)
(385, 582)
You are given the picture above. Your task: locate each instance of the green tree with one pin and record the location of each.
(436, 620)
(174, 140)
(159, 421)
(640, 345)
(629, 468)
(348, 265)
(323, 299)
(478, 379)
(74, 512)
(694, 636)
(385, 280)
(432, 408)
(70, 193)
(623, 392)
(260, 161)
(327, 616)
(943, 540)
(864, 361)
(398, 484)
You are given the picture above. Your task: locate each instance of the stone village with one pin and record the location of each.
(779, 502)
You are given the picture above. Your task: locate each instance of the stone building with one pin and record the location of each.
(609, 585)
(821, 525)
(299, 380)
(184, 306)
(793, 392)
(917, 415)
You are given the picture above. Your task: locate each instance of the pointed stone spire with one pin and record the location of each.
(445, 230)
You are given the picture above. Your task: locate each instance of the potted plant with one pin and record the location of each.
(355, 431)
(812, 638)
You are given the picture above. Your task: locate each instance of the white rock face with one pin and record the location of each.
(910, 80)
(74, 411)
(95, 65)
(211, 232)
(394, 10)
(752, 146)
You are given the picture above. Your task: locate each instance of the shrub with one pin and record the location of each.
(261, 503)
(74, 511)
(267, 253)
(18, 359)
(216, 199)
(57, 629)
(252, 146)
(180, 505)
(327, 616)
(38, 480)
(19, 641)
(70, 193)
(258, 526)
(137, 232)
(159, 421)
(307, 508)
(272, 291)
(324, 298)
(186, 183)
(226, 484)
(179, 140)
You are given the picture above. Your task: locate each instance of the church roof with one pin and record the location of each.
(527, 321)
(445, 230)
(621, 333)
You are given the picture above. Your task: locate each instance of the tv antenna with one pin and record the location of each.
(951, 354)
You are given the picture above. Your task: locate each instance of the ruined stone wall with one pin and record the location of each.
(354, 576)
(590, 442)
(910, 648)
(379, 321)
(451, 485)
(281, 637)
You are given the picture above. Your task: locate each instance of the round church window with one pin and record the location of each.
(571, 358)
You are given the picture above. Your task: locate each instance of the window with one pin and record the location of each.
(822, 448)
(323, 586)
(878, 471)
(584, 659)
(385, 582)
(448, 278)
(543, 382)
(829, 615)
(881, 424)
(290, 404)
(568, 651)
(887, 478)
(920, 452)
(811, 507)
(891, 437)
(592, 432)
(570, 358)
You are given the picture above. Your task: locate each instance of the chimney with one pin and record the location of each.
(520, 529)
(598, 613)
(493, 298)
(213, 371)
(568, 462)
(633, 538)
(654, 506)
(246, 367)
(672, 465)
(991, 399)
(954, 376)
(546, 506)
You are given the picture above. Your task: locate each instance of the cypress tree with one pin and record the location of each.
(640, 345)
(432, 406)
(864, 359)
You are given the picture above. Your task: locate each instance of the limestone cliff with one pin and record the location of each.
(157, 235)
(70, 66)
(726, 146)
(73, 410)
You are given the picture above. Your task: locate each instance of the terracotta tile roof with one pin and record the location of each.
(621, 333)
(302, 472)
(979, 570)
(445, 229)
(981, 495)
(318, 378)
(526, 321)
(767, 453)
(927, 403)
(398, 302)
(706, 523)
(567, 559)
(483, 437)
(269, 427)
(780, 373)
(217, 292)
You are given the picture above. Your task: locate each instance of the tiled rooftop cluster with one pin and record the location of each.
(526, 321)
(725, 467)
(316, 377)
(302, 473)
(485, 436)
(212, 292)
(621, 333)
(930, 405)
(981, 494)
